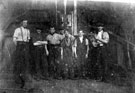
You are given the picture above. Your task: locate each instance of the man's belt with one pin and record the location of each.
(22, 43)
(54, 45)
(40, 46)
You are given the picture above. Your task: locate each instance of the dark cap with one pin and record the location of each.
(100, 25)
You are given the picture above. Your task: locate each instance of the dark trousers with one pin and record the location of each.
(21, 60)
(41, 65)
(53, 60)
(101, 56)
(81, 68)
(94, 64)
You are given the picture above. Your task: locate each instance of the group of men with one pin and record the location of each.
(57, 55)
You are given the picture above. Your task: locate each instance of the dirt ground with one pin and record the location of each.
(74, 86)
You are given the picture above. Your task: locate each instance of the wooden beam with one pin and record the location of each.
(75, 17)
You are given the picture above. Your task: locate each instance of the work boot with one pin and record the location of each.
(22, 82)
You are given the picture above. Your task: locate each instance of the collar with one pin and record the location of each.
(101, 31)
(81, 37)
(23, 27)
(39, 33)
(52, 33)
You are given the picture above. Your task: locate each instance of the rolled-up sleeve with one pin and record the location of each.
(61, 36)
(28, 34)
(48, 37)
(75, 43)
(87, 42)
(106, 37)
(15, 36)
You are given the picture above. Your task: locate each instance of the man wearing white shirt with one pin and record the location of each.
(102, 40)
(54, 41)
(102, 36)
(21, 39)
(81, 53)
(22, 34)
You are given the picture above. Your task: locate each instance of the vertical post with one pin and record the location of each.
(65, 7)
(56, 13)
(72, 23)
(75, 17)
(65, 12)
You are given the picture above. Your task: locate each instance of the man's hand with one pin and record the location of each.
(47, 52)
(134, 48)
(86, 56)
(75, 55)
(61, 56)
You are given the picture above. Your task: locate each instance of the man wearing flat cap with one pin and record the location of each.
(102, 40)
(40, 54)
(54, 39)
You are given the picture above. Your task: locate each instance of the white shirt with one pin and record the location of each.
(55, 38)
(102, 35)
(99, 35)
(81, 39)
(21, 34)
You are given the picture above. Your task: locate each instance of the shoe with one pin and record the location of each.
(103, 79)
(37, 79)
(99, 79)
(17, 81)
(72, 78)
(59, 78)
(22, 84)
(45, 78)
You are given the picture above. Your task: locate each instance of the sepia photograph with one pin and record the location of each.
(67, 46)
